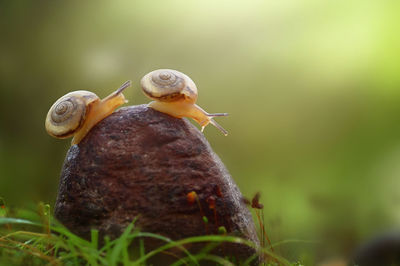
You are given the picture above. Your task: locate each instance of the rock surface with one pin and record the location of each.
(142, 163)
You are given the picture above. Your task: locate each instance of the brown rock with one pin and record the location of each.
(142, 163)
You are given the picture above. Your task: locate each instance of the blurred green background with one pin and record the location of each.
(312, 89)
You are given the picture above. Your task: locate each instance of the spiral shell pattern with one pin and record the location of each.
(169, 85)
(68, 113)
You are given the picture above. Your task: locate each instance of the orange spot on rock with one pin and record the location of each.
(191, 197)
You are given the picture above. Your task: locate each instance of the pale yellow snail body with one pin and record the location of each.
(77, 112)
(176, 94)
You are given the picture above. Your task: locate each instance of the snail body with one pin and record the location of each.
(75, 113)
(176, 94)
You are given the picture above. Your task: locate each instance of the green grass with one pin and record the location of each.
(35, 238)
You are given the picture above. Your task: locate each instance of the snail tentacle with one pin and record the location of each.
(217, 114)
(215, 124)
(125, 85)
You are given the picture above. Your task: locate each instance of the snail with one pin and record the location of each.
(77, 112)
(176, 94)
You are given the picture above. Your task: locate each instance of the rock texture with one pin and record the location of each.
(142, 163)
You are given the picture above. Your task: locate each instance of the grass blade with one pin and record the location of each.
(120, 245)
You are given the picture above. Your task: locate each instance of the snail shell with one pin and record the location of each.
(68, 113)
(167, 85)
